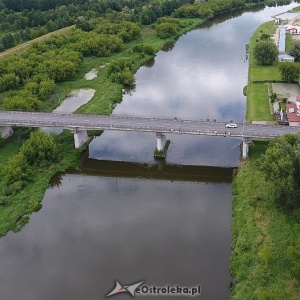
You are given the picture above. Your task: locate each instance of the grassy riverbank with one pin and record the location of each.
(258, 108)
(16, 209)
(266, 240)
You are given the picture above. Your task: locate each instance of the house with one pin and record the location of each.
(278, 20)
(283, 56)
(293, 113)
(293, 30)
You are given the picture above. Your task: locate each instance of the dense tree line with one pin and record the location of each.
(22, 20)
(25, 20)
(209, 8)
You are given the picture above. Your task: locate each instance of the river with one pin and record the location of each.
(129, 218)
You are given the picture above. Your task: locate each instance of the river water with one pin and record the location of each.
(129, 218)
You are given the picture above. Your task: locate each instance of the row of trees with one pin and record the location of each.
(208, 9)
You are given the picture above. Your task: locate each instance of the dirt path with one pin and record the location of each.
(22, 47)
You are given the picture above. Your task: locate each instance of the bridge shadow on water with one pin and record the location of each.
(160, 170)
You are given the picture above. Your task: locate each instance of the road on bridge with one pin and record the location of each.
(141, 123)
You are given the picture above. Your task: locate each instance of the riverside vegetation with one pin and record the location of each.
(266, 203)
(265, 261)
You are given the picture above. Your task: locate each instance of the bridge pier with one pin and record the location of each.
(245, 148)
(6, 131)
(80, 137)
(160, 141)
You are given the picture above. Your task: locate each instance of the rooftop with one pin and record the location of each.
(291, 110)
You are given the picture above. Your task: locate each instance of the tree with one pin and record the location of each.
(289, 71)
(280, 166)
(16, 169)
(127, 77)
(295, 50)
(40, 149)
(17, 174)
(166, 30)
(8, 81)
(265, 53)
(23, 100)
(8, 40)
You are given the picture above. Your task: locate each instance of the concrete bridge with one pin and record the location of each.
(80, 124)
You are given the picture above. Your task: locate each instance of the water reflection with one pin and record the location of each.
(183, 149)
(159, 170)
(149, 63)
(168, 46)
(94, 230)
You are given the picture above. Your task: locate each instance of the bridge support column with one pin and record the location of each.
(6, 131)
(245, 148)
(80, 137)
(160, 141)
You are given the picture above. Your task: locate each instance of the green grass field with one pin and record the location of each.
(258, 108)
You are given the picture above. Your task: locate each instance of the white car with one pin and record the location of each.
(231, 125)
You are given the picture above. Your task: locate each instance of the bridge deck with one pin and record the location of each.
(141, 123)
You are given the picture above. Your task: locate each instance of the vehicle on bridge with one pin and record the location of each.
(231, 125)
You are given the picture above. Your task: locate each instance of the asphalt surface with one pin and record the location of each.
(140, 123)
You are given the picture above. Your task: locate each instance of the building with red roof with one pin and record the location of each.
(293, 113)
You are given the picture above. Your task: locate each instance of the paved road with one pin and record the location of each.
(139, 123)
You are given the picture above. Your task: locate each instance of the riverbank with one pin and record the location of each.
(265, 242)
(265, 245)
(258, 108)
